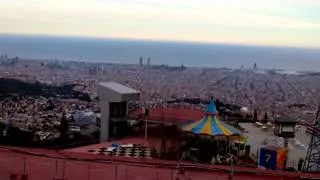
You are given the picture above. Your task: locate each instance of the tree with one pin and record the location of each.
(218, 103)
(255, 115)
(265, 118)
(64, 126)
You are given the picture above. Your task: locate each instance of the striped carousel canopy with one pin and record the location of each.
(211, 125)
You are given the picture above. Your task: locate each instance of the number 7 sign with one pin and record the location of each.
(268, 158)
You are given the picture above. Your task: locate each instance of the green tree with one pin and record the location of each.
(255, 115)
(64, 126)
(266, 117)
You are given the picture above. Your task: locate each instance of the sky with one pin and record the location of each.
(250, 22)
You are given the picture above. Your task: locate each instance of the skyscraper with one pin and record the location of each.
(148, 61)
(141, 61)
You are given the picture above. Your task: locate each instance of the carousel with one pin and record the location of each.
(211, 140)
(211, 125)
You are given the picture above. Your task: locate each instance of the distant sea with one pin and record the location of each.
(170, 53)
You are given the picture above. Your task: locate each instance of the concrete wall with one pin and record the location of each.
(104, 128)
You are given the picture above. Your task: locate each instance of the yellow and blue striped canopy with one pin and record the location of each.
(211, 125)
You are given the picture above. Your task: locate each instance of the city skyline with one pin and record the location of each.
(249, 22)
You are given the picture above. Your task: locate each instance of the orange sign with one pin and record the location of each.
(281, 156)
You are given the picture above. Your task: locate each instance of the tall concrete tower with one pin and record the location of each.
(141, 61)
(113, 98)
(148, 61)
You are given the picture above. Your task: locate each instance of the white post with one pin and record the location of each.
(231, 166)
(146, 123)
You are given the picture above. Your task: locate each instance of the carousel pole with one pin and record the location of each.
(227, 145)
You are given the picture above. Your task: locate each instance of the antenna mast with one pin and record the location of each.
(312, 160)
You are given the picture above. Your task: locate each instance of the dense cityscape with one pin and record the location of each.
(263, 91)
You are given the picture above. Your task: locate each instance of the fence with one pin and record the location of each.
(45, 168)
(42, 168)
(311, 128)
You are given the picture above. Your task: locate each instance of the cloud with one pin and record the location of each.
(255, 21)
(251, 13)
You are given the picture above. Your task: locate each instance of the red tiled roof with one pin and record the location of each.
(41, 164)
(171, 114)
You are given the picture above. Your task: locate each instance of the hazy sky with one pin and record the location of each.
(261, 22)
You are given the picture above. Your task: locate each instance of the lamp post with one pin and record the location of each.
(285, 128)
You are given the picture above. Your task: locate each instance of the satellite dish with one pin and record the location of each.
(244, 110)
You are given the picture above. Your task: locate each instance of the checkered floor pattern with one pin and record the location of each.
(135, 151)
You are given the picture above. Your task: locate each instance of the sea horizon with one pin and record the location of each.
(128, 51)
